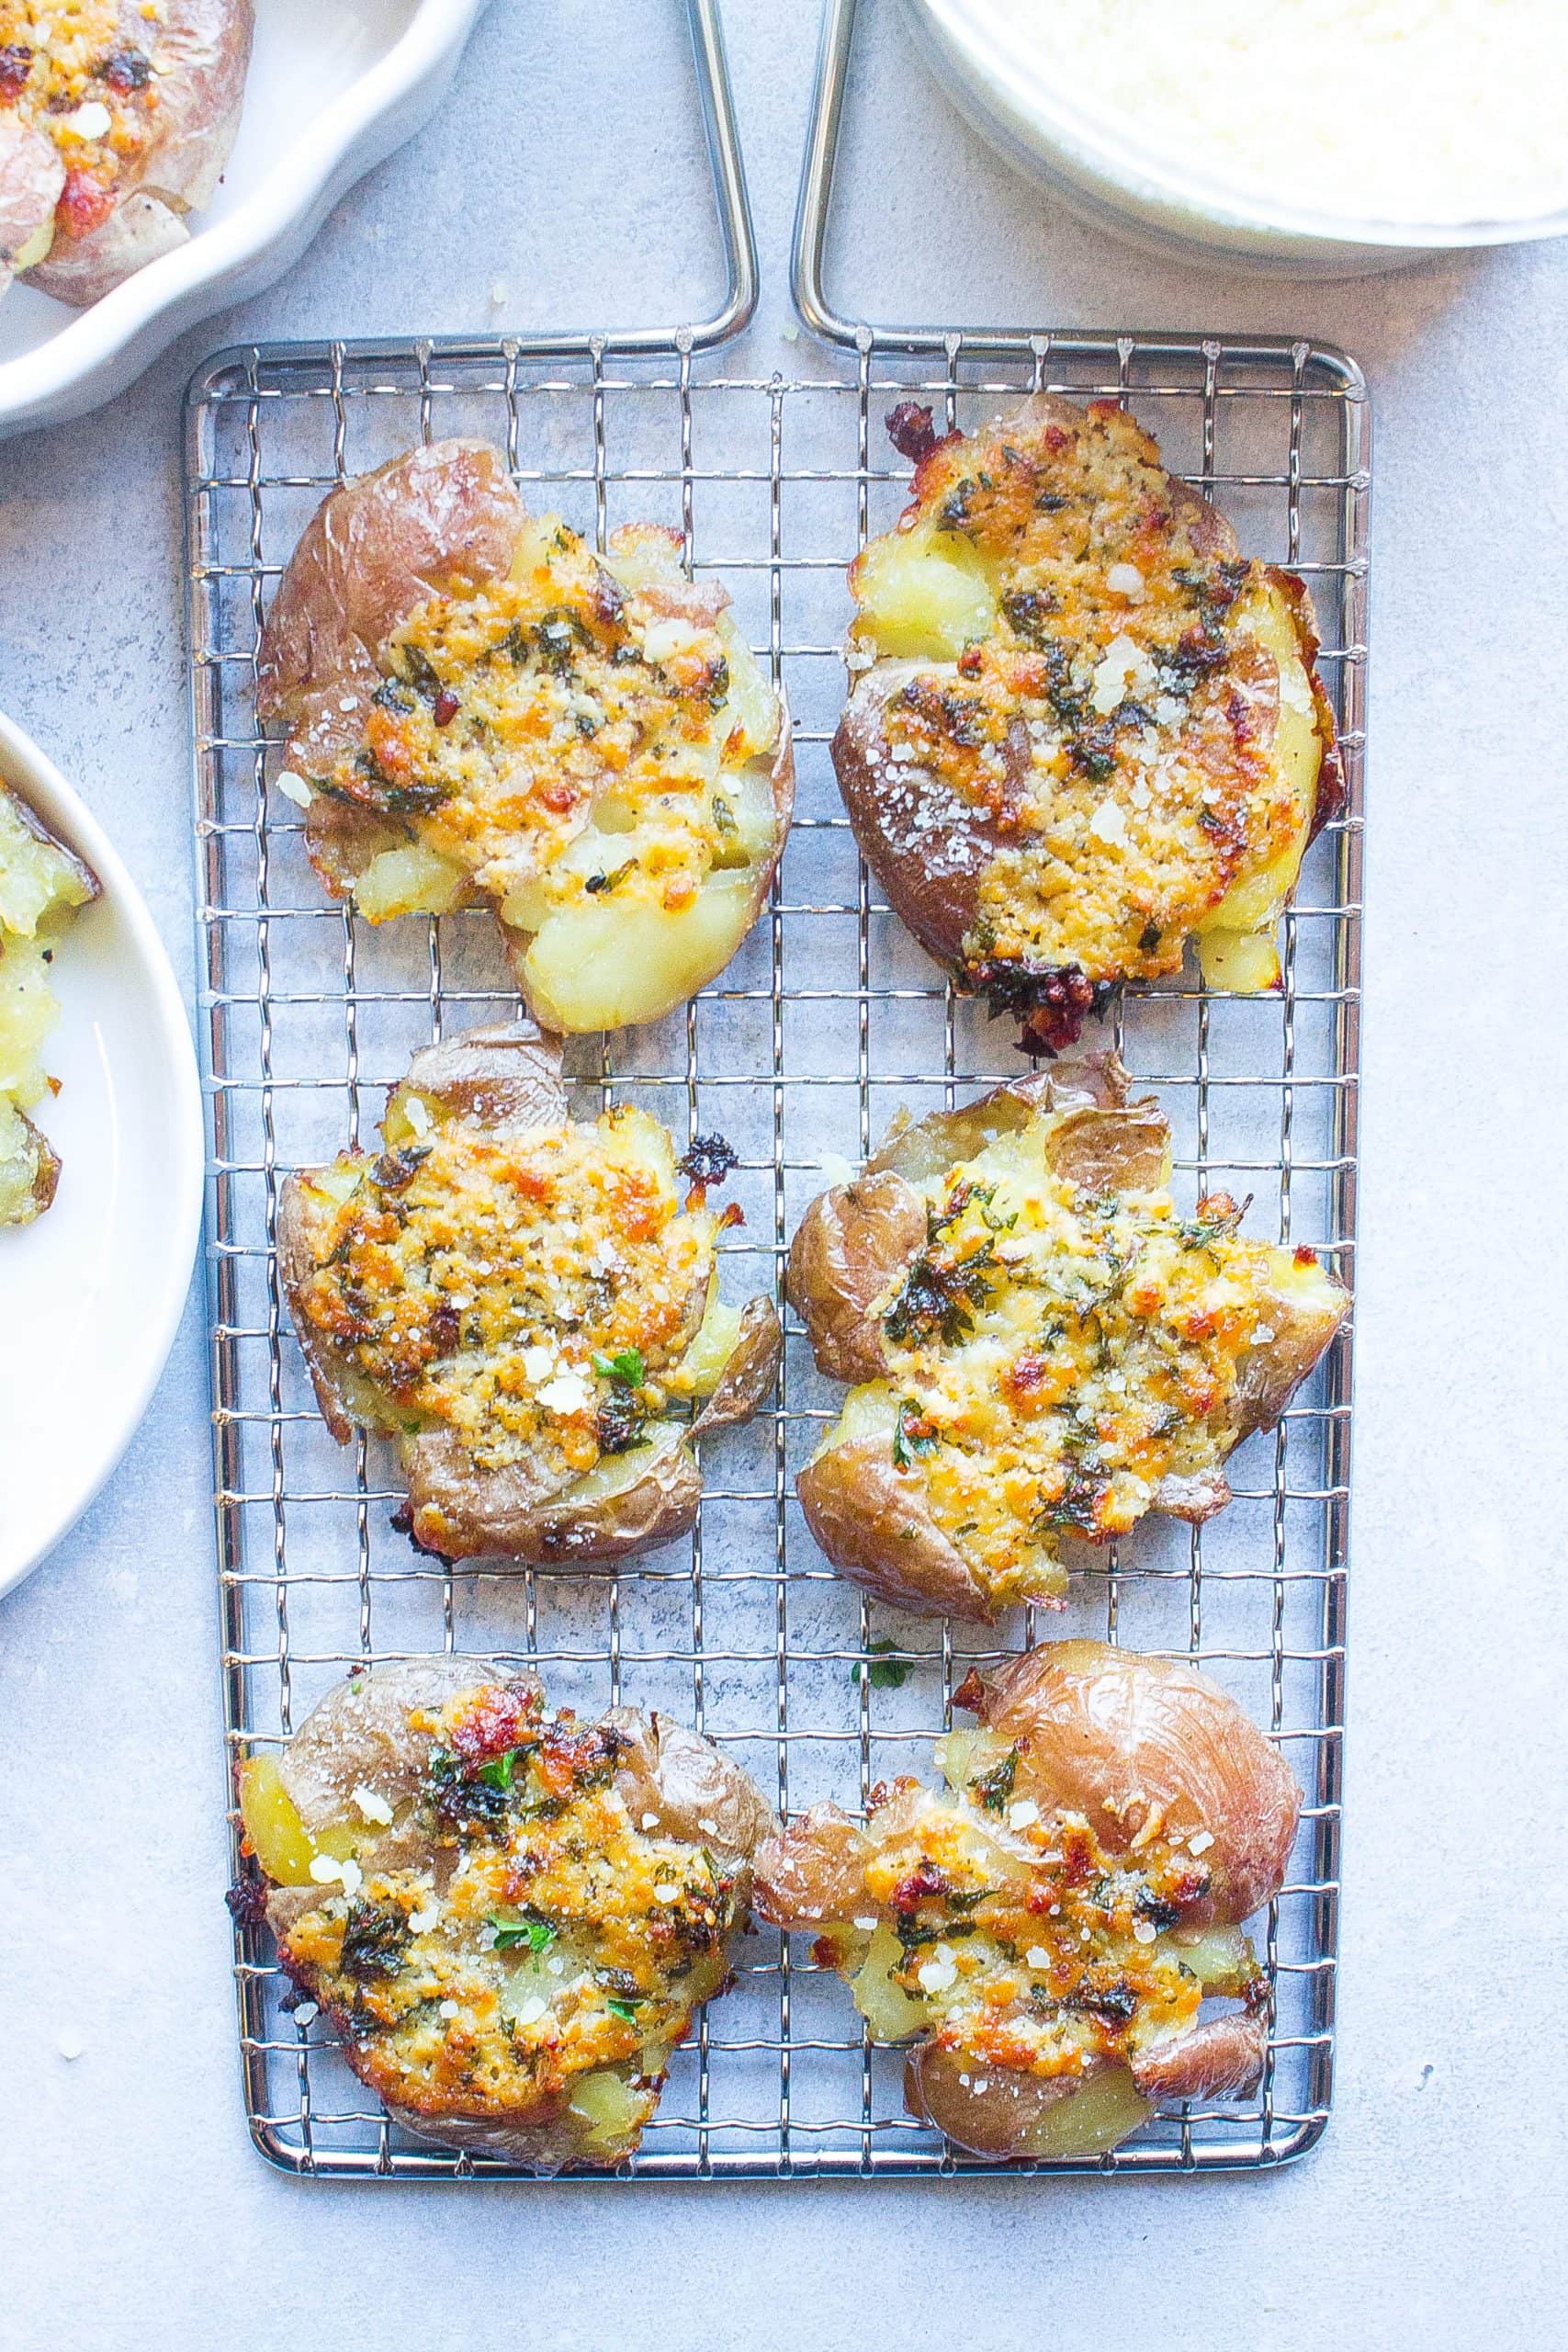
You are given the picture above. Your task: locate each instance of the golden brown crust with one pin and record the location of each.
(1043, 830)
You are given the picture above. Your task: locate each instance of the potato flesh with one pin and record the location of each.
(41, 889)
(597, 966)
(277, 1834)
(923, 595)
(1107, 2111)
(412, 880)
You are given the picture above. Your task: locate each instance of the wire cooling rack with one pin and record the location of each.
(827, 1019)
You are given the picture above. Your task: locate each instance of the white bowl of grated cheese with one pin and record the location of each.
(1328, 137)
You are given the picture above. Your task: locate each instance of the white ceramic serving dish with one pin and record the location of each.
(1011, 99)
(335, 85)
(91, 1293)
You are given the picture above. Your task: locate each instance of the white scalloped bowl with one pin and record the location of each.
(1035, 120)
(332, 90)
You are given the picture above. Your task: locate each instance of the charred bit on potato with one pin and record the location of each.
(1047, 1932)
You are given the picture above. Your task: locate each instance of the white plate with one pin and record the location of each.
(334, 87)
(91, 1294)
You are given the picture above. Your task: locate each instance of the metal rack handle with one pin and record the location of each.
(728, 168)
(817, 170)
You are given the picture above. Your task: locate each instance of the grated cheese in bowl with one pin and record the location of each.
(1410, 111)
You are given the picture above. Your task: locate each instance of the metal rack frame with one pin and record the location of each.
(827, 1018)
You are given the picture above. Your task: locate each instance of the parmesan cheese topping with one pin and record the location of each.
(1435, 111)
(1035, 1954)
(556, 1943)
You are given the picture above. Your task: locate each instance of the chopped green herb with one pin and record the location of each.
(912, 1433)
(627, 1367)
(882, 1673)
(499, 1772)
(993, 1789)
(627, 2010)
(513, 1931)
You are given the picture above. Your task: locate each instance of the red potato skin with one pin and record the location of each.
(201, 57)
(1119, 1738)
(31, 178)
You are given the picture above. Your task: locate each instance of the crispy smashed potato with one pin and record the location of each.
(524, 1302)
(1041, 1347)
(1083, 728)
(1046, 1936)
(509, 1917)
(117, 118)
(42, 884)
(481, 710)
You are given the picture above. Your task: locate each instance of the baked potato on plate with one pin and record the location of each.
(509, 1917)
(1046, 1931)
(524, 1302)
(483, 711)
(1083, 727)
(116, 121)
(42, 884)
(1041, 1346)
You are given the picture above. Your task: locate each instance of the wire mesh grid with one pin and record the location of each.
(827, 1019)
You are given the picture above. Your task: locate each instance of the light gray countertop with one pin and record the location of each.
(135, 2212)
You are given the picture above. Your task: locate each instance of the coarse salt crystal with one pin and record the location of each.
(71, 2045)
(867, 1927)
(650, 1821)
(940, 1972)
(371, 1806)
(1037, 1956)
(1020, 1815)
(1263, 1334)
(667, 1894)
(421, 1922)
(294, 787)
(711, 1826)
(530, 2011)
(449, 2009)
(416, 1112)
(327, 1871)
(1125, 580)
(1201, 1841)
(305, 2012)
(1144, 1932)
(91, 121)
(982, 2085)
(567, 1392)
(1108, 823)
(539, 1363)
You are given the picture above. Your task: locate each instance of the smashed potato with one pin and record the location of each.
(523, 1300)
(1084, 728)
(42, 884)
(509, 1918)
(117, 118)
(1041, 1346)
(482, 710)
(1046, 1935)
